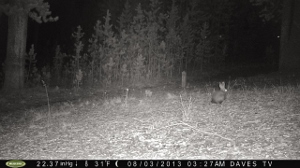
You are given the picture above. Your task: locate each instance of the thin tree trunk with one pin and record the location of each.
(16, 48)
(290, 37)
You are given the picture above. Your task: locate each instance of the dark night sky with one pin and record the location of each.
(71, 14)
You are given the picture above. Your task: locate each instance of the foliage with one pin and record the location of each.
(58, 65)
(148, 46)
(203, 48)
(130, 56)
(270, 9)
(173, 43)
(126, 18)
(76, 62)
(40, 14)
(32, 75)
(148, 43)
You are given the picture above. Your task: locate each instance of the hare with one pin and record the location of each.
(220, 95)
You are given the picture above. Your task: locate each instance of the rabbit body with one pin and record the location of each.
(220, 95)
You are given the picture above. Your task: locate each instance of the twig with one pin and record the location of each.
(49, 108)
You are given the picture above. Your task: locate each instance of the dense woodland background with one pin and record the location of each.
(136, 42)
(110, 71)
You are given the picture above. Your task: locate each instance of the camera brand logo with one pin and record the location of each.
(15, 163)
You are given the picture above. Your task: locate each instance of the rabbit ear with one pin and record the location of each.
(222, 84)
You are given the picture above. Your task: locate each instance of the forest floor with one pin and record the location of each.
(260, 119)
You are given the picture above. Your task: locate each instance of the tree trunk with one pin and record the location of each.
(290, 37)
(16, 48)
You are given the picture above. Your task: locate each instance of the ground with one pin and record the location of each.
(260, 119)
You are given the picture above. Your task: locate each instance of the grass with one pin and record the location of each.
(256, 121)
